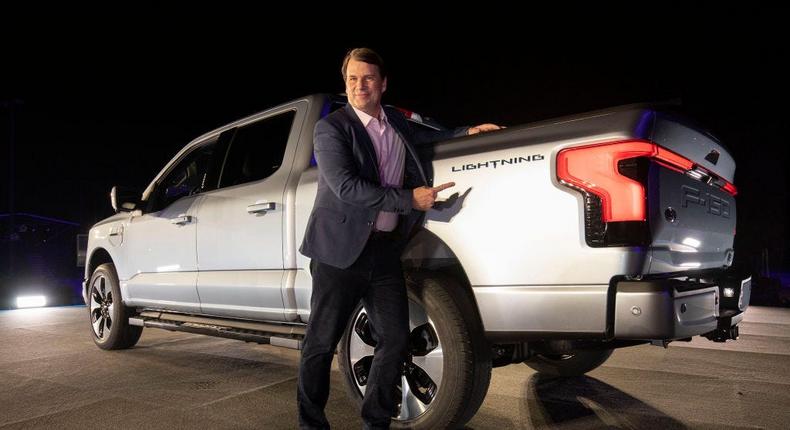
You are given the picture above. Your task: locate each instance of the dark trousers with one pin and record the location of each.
(376, 278)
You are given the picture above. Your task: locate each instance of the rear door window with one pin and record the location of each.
(256, 150)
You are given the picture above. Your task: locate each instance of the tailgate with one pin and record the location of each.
(697, 146)
(691, 215)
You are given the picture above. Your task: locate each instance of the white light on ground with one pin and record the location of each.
(31, 301)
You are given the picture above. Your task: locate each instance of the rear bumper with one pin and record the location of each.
(659, 309)
(672, 309)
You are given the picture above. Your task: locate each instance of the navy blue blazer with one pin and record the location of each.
(350, 194)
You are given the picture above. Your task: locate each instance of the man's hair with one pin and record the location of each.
(366, 55)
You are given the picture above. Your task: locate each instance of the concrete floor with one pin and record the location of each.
(52, 376)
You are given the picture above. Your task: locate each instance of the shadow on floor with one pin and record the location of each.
(585, 402)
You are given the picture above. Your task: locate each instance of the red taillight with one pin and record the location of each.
(730, 188)
(674, 160)
(594, 169)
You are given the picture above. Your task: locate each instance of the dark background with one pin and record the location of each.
(93, 105)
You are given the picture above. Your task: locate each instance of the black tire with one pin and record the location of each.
(464, 355)
(108, 317)
(576, 363)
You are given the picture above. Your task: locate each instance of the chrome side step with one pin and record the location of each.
(284, 335)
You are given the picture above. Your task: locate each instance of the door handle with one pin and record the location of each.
(261, 207)
(181, 219)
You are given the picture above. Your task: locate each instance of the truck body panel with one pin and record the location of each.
(515, 230)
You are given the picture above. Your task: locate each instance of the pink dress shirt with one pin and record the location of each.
(391, 154)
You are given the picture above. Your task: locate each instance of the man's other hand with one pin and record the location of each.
(482, 128)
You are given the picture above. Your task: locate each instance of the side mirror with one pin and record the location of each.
(124, 199)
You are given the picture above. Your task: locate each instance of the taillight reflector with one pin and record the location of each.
(407, 113)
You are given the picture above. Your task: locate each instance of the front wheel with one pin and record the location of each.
(576, 363)
(446, 375)
(109, 318)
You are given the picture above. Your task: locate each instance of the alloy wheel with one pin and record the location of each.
(102, 307)
(421, 373)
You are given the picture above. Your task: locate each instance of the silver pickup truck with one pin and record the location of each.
(564, 240)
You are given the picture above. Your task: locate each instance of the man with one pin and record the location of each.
(372, 191)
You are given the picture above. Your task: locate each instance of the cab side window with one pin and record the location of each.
(191, 175)
(256, 151)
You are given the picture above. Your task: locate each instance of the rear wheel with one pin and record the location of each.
(446, 375)
(109, 318)
(575, 363)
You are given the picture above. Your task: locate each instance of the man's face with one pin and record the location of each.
(364, 86)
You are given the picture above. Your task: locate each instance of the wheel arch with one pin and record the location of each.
(98, 257)
(426, 254)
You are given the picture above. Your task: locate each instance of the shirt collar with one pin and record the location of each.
(365, 118)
